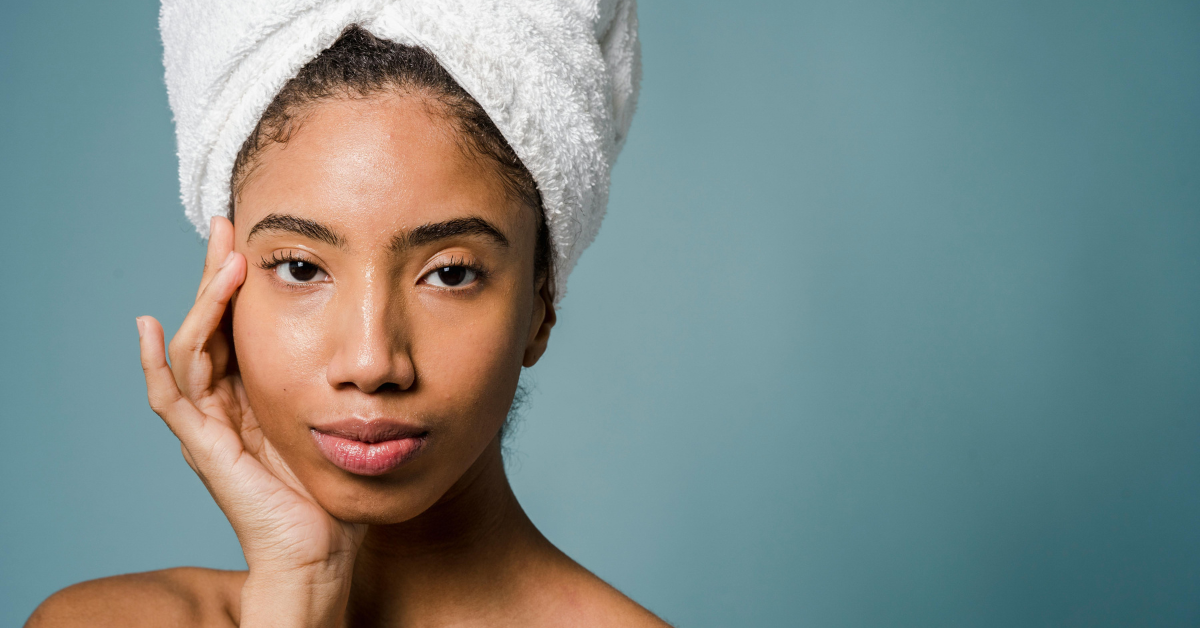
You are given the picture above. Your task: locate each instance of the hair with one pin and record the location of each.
(360, 65)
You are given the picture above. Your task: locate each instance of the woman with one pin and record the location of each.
(387, 266)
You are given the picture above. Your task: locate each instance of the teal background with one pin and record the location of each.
(894, 319)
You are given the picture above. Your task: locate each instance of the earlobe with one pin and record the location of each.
(542, 321)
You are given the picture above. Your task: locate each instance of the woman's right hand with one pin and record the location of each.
(300, 557)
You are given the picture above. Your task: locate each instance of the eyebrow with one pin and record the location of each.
(286, 223)
(432, 232)
(419, 236)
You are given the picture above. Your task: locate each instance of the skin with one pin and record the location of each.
(439, 541)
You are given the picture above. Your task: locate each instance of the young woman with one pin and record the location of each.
(385, 270)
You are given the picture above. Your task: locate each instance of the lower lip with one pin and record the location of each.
(362, 458)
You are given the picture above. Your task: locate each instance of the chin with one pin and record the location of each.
(374, 518)
(353, 505)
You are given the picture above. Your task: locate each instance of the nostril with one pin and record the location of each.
(388, 387)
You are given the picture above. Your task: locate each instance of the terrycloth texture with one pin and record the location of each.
(558, 77)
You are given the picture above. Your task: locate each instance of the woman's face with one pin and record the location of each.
(388, 306)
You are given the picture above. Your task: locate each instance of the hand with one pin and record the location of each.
(300, 557)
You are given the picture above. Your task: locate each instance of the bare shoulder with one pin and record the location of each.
(185, 596)
(604, 606)
(578, 598)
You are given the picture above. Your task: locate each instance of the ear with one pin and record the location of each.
(540, 323)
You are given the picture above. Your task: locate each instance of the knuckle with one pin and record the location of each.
(187, 457)
(213, 299)
(157, 406)
(182, 347)
(160, 402)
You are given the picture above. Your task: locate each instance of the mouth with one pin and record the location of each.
(369, 448)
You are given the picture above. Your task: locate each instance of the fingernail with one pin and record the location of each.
(141, 327)
(228, 258)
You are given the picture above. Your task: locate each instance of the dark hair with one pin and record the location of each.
(359, 65)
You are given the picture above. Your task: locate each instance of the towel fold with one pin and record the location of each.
(559, 78)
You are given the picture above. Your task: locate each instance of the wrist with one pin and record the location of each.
(308, 597)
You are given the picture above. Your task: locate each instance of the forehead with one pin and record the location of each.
(372, 167)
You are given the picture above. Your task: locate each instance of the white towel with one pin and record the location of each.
(558, 77)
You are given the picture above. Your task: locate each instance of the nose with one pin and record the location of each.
(372, 349)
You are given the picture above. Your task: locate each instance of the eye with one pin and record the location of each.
(297, 271)
(451, 277)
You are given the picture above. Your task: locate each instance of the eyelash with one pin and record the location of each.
(459, 261)
(481, 273)
(278, 258)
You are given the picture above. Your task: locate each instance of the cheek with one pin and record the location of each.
(279, 348)
(470, 359)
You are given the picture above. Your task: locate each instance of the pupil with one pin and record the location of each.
(452, 275)
(302, 271)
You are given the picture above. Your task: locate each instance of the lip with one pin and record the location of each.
(369, 447)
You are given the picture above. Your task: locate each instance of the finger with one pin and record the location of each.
(165, 398)
(187, 457)
(220, 243)
(192, 367)
(207, 446)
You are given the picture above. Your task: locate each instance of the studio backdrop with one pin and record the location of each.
(894, 319)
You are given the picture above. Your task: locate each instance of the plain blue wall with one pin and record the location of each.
(894, 320)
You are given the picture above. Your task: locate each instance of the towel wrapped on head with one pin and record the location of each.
(559, 78)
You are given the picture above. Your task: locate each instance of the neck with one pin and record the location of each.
(461, 555)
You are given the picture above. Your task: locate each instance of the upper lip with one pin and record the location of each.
(371, 430)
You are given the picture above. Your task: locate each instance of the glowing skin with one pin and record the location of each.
(339, 386)
(376, 337)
